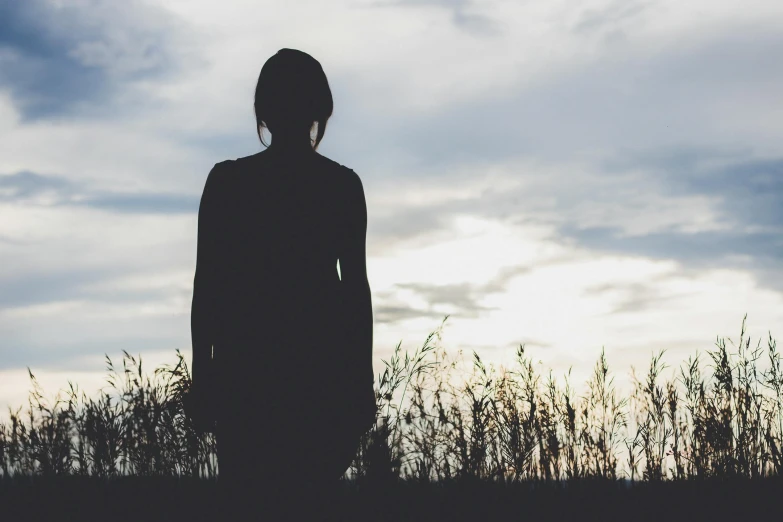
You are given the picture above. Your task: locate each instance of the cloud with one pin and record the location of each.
(461, 15)
(736, 180)
(695, 251)
(464, 297)
(748, 200)
(609, 16)
(47, 287)
(68, 58)
(630, 153)
(476, 24)
(633, 98)
(403, 224)
(463, 300)
(390, 314)
(702, 207)
(637, 296)
(754, 184)
(36, 189)
(637, 147)
(24, 185)
(76, 355)
(58, 318)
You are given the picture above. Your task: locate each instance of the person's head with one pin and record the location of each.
(291, 95)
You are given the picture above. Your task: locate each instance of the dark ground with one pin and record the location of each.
(159, 499)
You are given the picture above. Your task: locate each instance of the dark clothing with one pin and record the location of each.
(288, 371)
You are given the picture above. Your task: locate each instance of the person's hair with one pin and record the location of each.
(292, 91)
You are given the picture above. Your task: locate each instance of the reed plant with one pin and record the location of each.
(445, 417)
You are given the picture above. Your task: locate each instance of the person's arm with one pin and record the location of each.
(353, 275)
(202, 309)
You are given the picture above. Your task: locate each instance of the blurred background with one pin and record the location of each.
(566, 175)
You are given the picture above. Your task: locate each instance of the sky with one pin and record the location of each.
(571, 176)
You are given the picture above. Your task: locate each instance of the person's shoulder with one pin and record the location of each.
(228, 164)
(221, 167)
(330, 163)
(346, 173)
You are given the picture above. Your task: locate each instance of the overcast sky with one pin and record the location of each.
(567, 175)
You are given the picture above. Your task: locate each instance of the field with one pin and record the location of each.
(448, 444)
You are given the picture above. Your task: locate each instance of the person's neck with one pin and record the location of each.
(289, 145)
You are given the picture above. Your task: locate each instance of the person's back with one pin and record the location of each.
(279, 310)
(282, 344)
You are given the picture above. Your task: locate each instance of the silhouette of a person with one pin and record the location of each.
(282, 342)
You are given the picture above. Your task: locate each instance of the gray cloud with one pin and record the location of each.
(389, 314)
(509, 347)
(25, 184)
(461, 15)
(20, 347)
(46, 287)
(630, 100)
(62, 59)
(465, 297)
(636, 296)
(28, 187)
(476, 24)
(751, 200)
(65, 285)
(748, 202)
(77, 355)
(142, 203)
(403, 224)
(752, 190)
(657, 118)
(700, 250)
(610, 16)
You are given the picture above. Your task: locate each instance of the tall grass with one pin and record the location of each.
(443, 417)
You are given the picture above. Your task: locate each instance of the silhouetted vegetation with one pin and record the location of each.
(444, 420)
